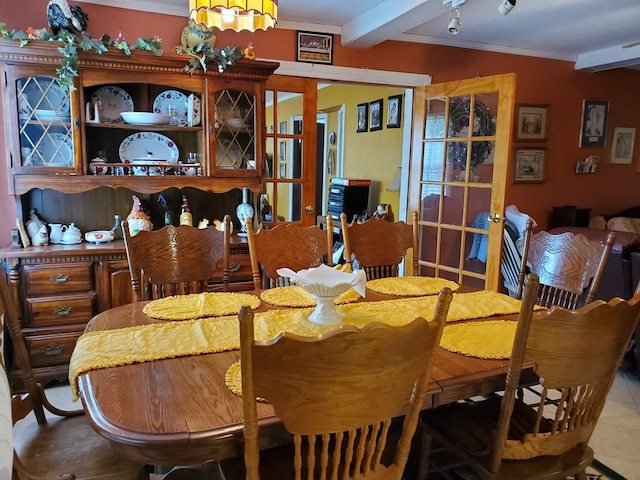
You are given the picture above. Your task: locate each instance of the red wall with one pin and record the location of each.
(539, 81)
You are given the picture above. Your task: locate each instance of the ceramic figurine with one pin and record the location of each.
(137, 219)
(34, 229)
(195, 33)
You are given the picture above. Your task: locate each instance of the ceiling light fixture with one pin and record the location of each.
(454, 21)
(506, 6)
(235, 15)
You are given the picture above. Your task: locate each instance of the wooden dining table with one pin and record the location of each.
(178, 411)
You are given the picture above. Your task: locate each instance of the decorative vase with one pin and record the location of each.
(244, 211)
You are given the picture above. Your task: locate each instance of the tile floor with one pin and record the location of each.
(616, 439)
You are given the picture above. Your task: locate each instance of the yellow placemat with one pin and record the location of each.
(295, 296)
(410, 286)
(199, 305)
(489, 339)
(108, 348)
(233, 380)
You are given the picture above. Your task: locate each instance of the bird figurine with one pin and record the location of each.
(195, 33)
(62, 16)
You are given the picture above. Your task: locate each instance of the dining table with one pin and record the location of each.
(179, 411)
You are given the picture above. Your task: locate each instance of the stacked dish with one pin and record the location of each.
(186, 109)
(112, 100)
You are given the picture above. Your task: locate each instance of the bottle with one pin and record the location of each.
(185, 213)
(117, 231)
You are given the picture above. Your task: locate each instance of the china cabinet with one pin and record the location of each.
(75, 158)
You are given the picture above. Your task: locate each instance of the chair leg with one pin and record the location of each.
(425, 451)
(580, 475)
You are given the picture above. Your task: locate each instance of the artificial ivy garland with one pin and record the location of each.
(200, 55)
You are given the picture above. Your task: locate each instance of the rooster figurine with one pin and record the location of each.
(62, 16)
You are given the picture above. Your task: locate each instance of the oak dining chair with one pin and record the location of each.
(337, 394)
(503, 437)
(380, 246)
(289, 245)
(569, 267)
(59, 445)
(176, 260)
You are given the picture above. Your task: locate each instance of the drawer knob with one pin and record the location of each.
(63, 310)
(52, 349)
(60, 278)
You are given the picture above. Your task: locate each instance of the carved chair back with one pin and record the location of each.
(322, 390)
(288, 245)
(379, 246)
(176, 260)
(568, 266)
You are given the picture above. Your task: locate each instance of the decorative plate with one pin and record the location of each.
(113, 100)
(53, 150)
(45, 93)
(173, 99)
(148, 144)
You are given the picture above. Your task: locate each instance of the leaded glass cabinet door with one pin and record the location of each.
(458, 177)
(238, 123)
(45, 124)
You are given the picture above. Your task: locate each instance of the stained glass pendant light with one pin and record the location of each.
(235, 15)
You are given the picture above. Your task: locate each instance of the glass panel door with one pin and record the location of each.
(458, 177)
(44, 124)
(291, 153)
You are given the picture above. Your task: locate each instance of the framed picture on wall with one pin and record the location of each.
(283, 170)
(282, 127)
(532, 122)
(375, 115)
(529, 165)
(282, 150)
(363, 118)
(622, 148)
(594, 123)
(315, 47)
(394, 111)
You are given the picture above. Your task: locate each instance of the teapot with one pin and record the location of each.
(56, 232)
(71, 234)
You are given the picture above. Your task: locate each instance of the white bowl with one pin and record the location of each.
(99, 236)
(145, 118)
(235, 122)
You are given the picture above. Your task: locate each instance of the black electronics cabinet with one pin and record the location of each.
(350, 199)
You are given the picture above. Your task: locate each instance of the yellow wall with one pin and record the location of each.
(362, 151)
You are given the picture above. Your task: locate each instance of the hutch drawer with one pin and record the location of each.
(54, 279)
(49, 350)
(53, 311)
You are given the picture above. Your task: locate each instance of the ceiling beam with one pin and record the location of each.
(388, 20)
(608, 58)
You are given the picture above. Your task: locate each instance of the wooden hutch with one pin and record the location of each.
(51, 138)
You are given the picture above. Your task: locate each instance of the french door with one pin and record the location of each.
(458, 173)
(290, 172)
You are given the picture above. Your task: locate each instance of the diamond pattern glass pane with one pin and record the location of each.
(44, 114)
(235, 132)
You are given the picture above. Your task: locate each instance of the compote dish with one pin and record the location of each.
(325, 284)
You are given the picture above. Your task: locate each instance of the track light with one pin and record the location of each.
(506, 6)
(454, 21)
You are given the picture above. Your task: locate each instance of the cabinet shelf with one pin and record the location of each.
(145, 128)
(141, 184)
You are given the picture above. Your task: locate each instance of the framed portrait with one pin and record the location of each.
(283, 170)
(282, 128)
(622, 147)
(529, 165)
(594, 123)
(532, 122)
(375, 115)
(363, 118)
(315, 47)
(394, 111)
(282, 150)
